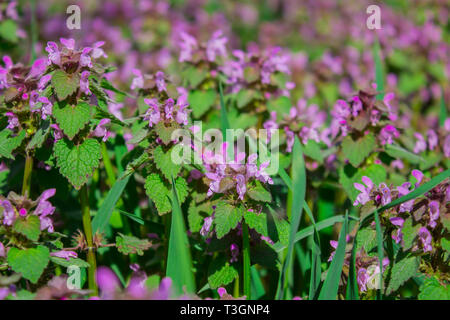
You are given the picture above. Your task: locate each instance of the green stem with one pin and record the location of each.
(26, 185)
(246, 253)
(86, 216)
(34, 30)
(236, 287)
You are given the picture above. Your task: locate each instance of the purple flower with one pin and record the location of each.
(47, 107)
(387, 101)
(241, 187)
(64, 254)
(234, 252)
(107, 281)
(425, 239)
(13, 120)
(2, 250)
(397, 221)
(152, 115)
(138, 80)
(45, 209)
(187, 45)
(9, 213)
(421, 144)
(403, 190)
(356, 106)
(207, 223)
(418, 175)
(290, 137)
(364, 196)
(434, 213)
(37, 68)
(362, 279)
(68, 43)
(54, 56)
(101, 131)
(387, 134)
(57, 132)
(85, 58)
(432, 139)
(44, 81)
(97, 51)
(216, 46)
(334, 244)
(84, 83)
(160, 82)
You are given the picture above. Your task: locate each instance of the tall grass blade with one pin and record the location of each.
(379, 252)
(379, 72)
(103, 215)
(331, 284)
(179, 263)
(443, 109)
(298, 176)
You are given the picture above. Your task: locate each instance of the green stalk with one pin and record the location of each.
(86, 216)
(246, 254)
(34, 30)
(236, 287)
(26, 185)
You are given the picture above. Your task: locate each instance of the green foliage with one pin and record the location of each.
(65, 84)
(29, 262)
(130, 245)
(165, 164)
(29, 226)
(357, 150)
(159, 191)
(432, 289)
(9, 144)
(8, 30)
(401, 272)
(201, 101)
(221, 272)
(227, 218)
(71, 262)
(77, 162)
(71, 119)
(259, 193)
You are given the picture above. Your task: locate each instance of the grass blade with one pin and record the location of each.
(379, 73)
(352, 292)
(103, 215)
(225, 124)
(443, 109)
(257, 285)
(298, 176)
(179, 264)
(316, 271)
(331, 284)
(379, 252)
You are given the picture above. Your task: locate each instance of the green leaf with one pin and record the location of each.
(71, 119)
(158, 190)
(349, 175)
(227, 218)
(77, 162)
(103, 214)
(8, 144)
(201, 101)
(165, 133)
(357, 151)
(65, 84)
(257, 221)
(8, 30)
(29, 226)
(432, 289)
(194, 75)
(366, 239)
(281, 105)
(220, 272)
(259, 193)
(298, 177)
(331, 284)
(409, 233)
(71, 262)
(312, 150)
(40, 136)
(164, 163)
(29, 262)
(401, 272)
(399, 152)
(244, 97)
(179, 263)
(131, 245)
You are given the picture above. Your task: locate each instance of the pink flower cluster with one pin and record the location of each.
(168, 111)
